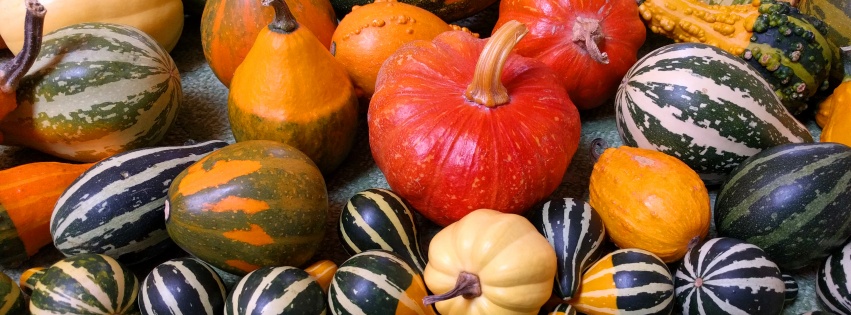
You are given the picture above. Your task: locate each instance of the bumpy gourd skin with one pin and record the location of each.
(788, 48)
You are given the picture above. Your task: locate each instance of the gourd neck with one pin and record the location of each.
(12, 71)
(486, 88)
(846, 62)
(284, 21)
(588, 34)
(467, 286)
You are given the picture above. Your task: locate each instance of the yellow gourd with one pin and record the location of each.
(649, 200)
(834, 113)
(491, 263)
(161, 19)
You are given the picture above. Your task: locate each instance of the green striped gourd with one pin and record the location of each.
(576, 232)
(380, 219)
(11, 299)
(182, 286)
(249, 205)
(116, 207)
(833, 280)
(836, 15)
(791, 201)
(704, 106)
(791, 292)
(276, 290)
(563, 309)
(86, 284)
(377, 282)
(29, 278)
(632, 280)
(727, 276)
(95, 90)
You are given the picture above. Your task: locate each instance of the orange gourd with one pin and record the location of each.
(28, 194)
(12, 71)
(291, 90)
(834, 113)
(229, 28)
(649, 200)
(372, 32)
(323, 272)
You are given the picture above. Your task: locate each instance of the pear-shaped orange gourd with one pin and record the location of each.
(290, 89)
(13, 70)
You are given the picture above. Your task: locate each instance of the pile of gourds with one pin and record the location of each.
(472, 132)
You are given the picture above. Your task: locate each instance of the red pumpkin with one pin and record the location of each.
(504, 143)
(589, 43)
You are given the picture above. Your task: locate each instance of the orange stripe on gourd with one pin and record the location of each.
(256, 236)
(235, 203)
(221, 173)
(242, 265)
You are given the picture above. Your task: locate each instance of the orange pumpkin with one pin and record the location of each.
(372, 32)
(649, 200)
(834, 113)
(28, 194)
(291, 90)
(13, 70)
(229, 28)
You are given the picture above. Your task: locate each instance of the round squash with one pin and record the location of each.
(371, 33)
(276, 290)
(832, 281)
(249, 205)
(229, 28)
(95, 90)
(182, 286)
(85, 284)
(649, 200)
(160, 19)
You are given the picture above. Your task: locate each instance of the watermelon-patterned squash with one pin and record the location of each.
(791, 292)
(249, 205)
(833, 280)
(276, 290)
(704, 106)
(86, 284)
(11, 299)
(29, 278)
(563, 309)
(95, 90)
(182, 286)
(727, 276)
(790, 200)
(116, 207)
(380, 219)
(626, 280)
(576, 232)
(377, 282)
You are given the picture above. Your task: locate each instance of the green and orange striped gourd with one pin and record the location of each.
(249, 205)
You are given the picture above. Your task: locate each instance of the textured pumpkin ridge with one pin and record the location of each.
(159, 287)
(390, 285)
(394, 234)
(701, 130)
(738, 258)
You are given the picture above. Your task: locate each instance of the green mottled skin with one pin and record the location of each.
(12, 250)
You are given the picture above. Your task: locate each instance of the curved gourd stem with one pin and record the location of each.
(12, 71)
(284, 21)
(598, 145)
(486, 88)
(588, 34)
(467, 286)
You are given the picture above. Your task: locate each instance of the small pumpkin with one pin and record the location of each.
(14, 70)
(368, 35)
(492, 263)
(28, 194)
(276, 290)
(591, 44)
(160, 19)
(791, 292)
(290, 89)
(12, 300)
(461, 123)
(664, 218)
(182, 286)
(834, 112)
(230, 27)
(85, 283)
(249, 205)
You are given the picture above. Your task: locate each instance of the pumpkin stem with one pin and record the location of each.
(12, 71)
(587, 33)
(284, 21)
(846, 62)
(598, 145)
(486, 88)
(467, 286)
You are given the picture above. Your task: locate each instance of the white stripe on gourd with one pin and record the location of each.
(165, 294)
(397, 225)
(289, 297)
(185, 273)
